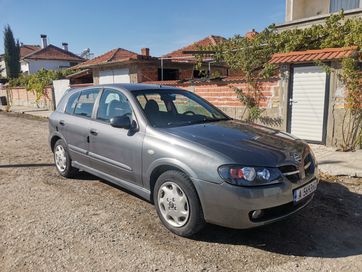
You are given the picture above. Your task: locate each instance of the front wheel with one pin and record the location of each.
(62, 160)
(177, 204)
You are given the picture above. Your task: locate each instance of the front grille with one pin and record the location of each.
(292, 173)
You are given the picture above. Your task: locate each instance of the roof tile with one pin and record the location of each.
(313, 55)
(210, 40)
(52, 52)
(116, 55)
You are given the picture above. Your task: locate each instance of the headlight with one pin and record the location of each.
(249, 176)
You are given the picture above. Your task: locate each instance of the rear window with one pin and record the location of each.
(85, 104)
(71, 103)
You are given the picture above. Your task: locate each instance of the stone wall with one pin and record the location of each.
(21, 97)
(223, 95)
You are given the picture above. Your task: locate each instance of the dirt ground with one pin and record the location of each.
(48, 223)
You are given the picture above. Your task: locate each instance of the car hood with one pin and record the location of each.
(244, 143)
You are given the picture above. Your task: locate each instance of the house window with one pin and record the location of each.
(337, 5)
(168, 74)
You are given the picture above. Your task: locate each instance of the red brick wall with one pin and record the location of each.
(148, 73)
(223, 95)
(22, 97)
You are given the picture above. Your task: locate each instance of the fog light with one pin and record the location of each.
(256, 214)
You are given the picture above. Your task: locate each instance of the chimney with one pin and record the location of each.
(65, 46)
(44, 41)
(251, 34)
(145, 52)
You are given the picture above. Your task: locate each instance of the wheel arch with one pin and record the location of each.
(53, 139)
(161, 166)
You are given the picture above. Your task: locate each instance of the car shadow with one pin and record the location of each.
(25, 165)
(330, 227)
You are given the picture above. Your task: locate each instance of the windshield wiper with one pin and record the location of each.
(205, 120)
(202, 121)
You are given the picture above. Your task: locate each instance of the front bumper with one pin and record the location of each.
(231, 206)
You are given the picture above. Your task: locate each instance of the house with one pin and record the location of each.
(44, 56)
(25, 49)
(304, 13)
(123, 66)
(49, 57)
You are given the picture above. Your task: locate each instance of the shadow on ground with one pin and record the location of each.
(21, 165)
(330, 227)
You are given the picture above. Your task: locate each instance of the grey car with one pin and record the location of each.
(173, 148)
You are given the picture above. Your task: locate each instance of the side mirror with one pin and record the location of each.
(121, 122)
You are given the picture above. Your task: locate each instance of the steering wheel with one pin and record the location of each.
(189, 112)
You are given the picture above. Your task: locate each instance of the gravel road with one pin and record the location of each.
(48, 223)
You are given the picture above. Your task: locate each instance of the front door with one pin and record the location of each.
(307, 103)
(115, 151)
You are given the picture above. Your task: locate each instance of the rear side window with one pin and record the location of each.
(85, 103)
(71, 103)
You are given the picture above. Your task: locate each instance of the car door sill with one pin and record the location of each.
(144, 193)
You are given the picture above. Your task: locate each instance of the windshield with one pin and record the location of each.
(171, 108)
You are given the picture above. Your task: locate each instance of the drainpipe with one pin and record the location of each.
(161, 69)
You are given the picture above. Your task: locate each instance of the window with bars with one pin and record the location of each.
(337, 5)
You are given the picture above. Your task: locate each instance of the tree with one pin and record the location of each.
(251, 57)
(12, 54)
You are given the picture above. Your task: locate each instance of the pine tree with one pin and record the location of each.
(11, 54)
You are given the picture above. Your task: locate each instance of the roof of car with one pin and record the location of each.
(131, 87)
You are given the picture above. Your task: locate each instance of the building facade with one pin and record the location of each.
(304, 13)
(36, 57)
(123, 66)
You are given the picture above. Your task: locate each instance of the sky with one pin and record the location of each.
(161, 25)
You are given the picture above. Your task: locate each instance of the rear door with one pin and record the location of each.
(115, 151)
(76, 126)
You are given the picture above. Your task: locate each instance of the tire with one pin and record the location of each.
(177, 204)
(64, 168)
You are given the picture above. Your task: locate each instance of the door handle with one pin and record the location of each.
(93, 132)
(291, 101)
(62, 123)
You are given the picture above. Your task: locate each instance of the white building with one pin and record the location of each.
(49, 57)
(305, 13)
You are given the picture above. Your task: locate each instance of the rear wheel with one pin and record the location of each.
(62, 160)
(177, 204)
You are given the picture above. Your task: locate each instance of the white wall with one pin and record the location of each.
(300, 9)
(36, 65)
(2, 66)
(60, 86)
(114, 76)
(24, 67)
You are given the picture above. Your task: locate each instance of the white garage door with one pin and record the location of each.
(308, 102)
(114, 76)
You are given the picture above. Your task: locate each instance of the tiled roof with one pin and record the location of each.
(228, 79)
(114, 56)
(210, 40)
(26, 49)
(52, 52)
(314, 55)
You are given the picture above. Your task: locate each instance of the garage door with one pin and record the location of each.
(114, 76)
(307, 103)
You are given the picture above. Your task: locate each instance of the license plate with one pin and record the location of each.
(299, 194)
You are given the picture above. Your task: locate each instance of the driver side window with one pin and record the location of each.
(111, 104)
